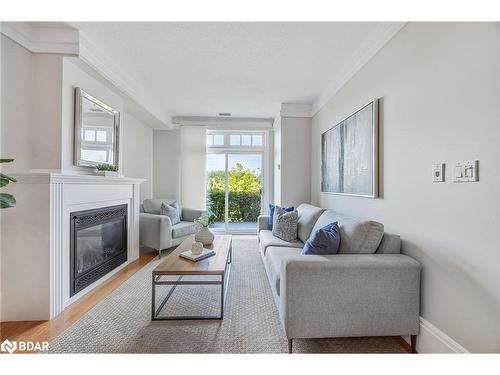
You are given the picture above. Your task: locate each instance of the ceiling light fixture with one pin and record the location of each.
(226, 114)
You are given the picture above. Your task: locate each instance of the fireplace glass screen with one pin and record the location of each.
(98, 244)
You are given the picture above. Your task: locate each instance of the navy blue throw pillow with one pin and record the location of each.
(271, 214)
(323, 241)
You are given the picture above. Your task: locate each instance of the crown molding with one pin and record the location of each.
(223, 122)
(69, 41)
(41, 39)
(95, 58)
(296, 110)
(378, 39)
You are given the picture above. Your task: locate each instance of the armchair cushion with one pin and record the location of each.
(189, 214)
(153, 206)
(182, 229)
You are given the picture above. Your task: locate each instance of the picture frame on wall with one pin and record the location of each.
(349, 154)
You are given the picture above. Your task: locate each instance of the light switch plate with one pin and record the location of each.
(466, 171)
(438, 172)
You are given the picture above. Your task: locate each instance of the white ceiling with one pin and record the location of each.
(247, 69)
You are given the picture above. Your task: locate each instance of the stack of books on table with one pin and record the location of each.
(206, 253)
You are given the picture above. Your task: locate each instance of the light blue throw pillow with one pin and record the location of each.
(171, 211)
(324, 241)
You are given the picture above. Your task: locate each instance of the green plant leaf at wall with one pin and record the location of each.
(4, 180)
(7, 200)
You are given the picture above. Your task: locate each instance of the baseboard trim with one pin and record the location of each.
(432, 340)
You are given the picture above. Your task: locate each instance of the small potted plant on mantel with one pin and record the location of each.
(107, 170)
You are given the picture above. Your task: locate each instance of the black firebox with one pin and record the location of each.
(98, 244)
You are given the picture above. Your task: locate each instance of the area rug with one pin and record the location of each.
(121, 322)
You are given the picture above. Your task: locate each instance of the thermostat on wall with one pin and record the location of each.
(438, 172)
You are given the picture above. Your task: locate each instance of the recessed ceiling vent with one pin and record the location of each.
(224, 114)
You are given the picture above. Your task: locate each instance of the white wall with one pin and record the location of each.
(136, 137)
(439, 88)
(277, 160)
(17, 68)
(74, 76)
(292, 160)
(137, 155)
(295, 160)
(47, 103)
(30, 132)
(193, 166)
(167, 163)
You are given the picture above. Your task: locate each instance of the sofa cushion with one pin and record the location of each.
(153, 206)
(182, 229)
(267, 239)
(274, 257)
(390, 244)
(357, 236)
(308, 215)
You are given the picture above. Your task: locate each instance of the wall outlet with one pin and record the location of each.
(438, 172)
(466, 171)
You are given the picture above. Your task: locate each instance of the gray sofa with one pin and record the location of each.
(157, 232)
(368, 289)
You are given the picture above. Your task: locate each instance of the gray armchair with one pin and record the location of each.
(157, 232)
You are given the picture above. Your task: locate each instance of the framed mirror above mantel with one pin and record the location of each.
(97, 131)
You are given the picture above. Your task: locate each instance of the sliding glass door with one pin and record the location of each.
(235, 183)
(244, 202)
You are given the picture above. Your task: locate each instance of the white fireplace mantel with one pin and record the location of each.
(36, 239)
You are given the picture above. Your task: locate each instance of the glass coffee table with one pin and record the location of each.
(218, 266)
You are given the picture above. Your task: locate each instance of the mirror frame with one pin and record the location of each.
(78, 161)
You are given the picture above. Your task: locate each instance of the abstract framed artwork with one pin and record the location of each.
(349, 154)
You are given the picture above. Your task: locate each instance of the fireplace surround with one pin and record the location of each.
(98, 244)
(40, 228)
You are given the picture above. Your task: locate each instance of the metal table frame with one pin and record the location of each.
(223, 282)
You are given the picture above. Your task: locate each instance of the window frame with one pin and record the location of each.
(227, 139)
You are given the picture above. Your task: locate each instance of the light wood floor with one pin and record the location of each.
(47, 330)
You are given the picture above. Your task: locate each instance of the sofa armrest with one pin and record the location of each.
(262, 222)
(155, 231)
(349, 295)
(189, 214)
